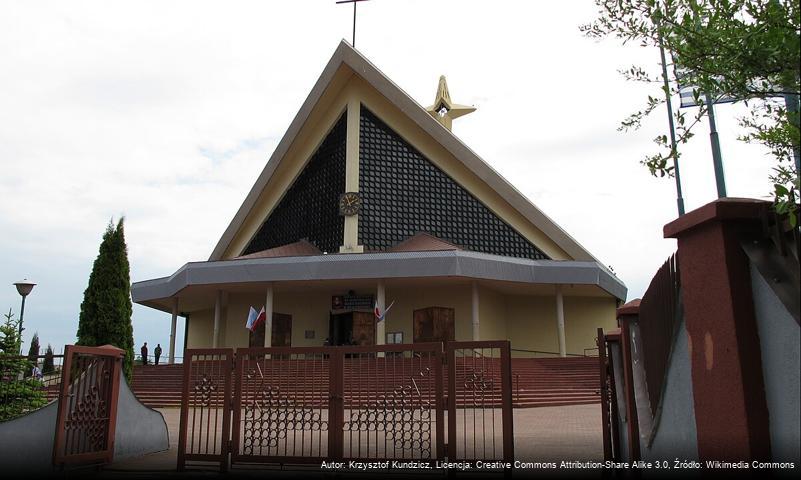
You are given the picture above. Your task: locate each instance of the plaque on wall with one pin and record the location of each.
(352, 302)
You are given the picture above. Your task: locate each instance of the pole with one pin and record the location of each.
(474, 312)
(173, 323)
(791, 102)
(673, 151)
(21, 315)
(717, 161)
(560, 321)
(354, 24)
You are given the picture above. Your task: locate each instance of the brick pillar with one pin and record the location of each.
(731, 413)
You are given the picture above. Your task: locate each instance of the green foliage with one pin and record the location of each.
(106, 308)
(33, 352)
(18, 395)
(745, 49)
(49, 361)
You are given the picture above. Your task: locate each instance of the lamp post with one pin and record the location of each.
(24, 287)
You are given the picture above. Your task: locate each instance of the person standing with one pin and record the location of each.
(157, 353)
(144, 354)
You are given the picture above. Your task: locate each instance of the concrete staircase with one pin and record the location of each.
(548, 382)
(536, 382)
(158, 386)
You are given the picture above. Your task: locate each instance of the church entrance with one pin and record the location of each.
(351, 328)
(281, 335)
(434, 324)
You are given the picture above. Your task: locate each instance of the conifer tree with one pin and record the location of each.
(106, 307)
(49, 363)
(18, 395)
(33, 351)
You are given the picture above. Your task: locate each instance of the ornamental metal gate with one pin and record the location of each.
(295, 405)
(87, 408)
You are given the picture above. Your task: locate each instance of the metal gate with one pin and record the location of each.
(294, 405)
(480, 401)
(87, 408)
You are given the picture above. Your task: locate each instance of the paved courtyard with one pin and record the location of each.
(541, 434)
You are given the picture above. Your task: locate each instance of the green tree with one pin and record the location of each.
(18, 395)
(49, 361)
(745, 49)
(106, 308)
(33, 351)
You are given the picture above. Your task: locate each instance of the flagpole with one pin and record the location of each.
(673, 151)
(791, 103)
(717, 161)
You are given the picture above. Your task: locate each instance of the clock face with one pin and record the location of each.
(349, 203)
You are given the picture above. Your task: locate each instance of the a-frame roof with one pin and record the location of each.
(346, 55)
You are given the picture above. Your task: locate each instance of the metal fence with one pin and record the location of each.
(28, 383)
(292, 405)
(659, 317)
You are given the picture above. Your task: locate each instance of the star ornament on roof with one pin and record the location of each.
(443, 109)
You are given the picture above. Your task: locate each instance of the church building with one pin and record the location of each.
(373, 223)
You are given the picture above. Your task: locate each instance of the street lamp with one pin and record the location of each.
(24, 287)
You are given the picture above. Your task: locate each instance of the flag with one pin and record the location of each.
(380, 316)
(251, 318)
(260, 318)
(692, 97)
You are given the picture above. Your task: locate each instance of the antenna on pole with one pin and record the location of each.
(354, 2)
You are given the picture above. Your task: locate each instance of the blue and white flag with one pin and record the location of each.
(252, 315)
(692, 97)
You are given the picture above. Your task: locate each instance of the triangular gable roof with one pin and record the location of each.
(345, 54)
(423, 242)
(301, 248)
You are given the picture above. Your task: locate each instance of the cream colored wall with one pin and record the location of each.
(529, 322)
(310, 311)
(201, 329)
(407, 300)
(583, 316)
(492, 315)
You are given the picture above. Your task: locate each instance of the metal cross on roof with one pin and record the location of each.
(354, 2)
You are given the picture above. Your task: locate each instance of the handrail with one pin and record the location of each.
(547, 353)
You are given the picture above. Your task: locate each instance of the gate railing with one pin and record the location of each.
(87, 408)
(480, 401)
(293, 405)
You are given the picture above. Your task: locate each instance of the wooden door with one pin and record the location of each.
(434, 324)
(363, 328)
(282, 330)
(281, 334)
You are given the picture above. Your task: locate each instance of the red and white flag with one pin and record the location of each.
(260, 318)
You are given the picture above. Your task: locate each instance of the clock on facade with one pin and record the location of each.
(350, 203)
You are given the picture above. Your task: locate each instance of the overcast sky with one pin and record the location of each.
(167, 111)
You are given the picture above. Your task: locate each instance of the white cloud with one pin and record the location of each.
(167, 111)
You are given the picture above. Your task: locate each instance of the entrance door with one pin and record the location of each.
(352, 328)
(434, 324)
(281, 334)
(340, 328)
(282, 330)
(363, 328)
